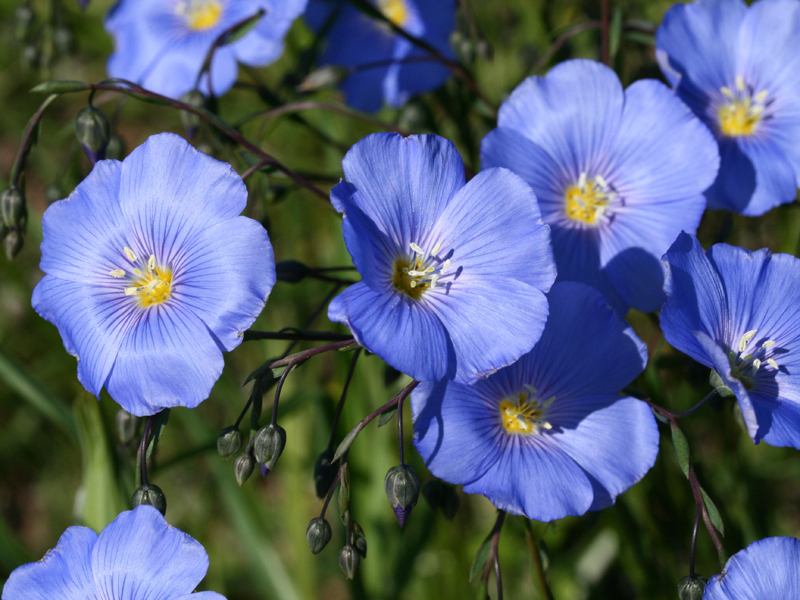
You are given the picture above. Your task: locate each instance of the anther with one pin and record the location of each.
(436, 249)
(130, 254)
(118, 273)
(746, 339)
(417, 249)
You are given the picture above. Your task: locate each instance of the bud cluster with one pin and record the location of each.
(14, 215)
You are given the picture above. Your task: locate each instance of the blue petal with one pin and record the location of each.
(765, 569)
(700, 41)
(582, 101)
(696, 298)
(93, 322)
(775, 180)
(264, 43)
(403, 184)
(400, 330)
(456, 430)
(65, 572)
(585, 350)
(170, 358)
(537, 479)
(588, 430)
(227, 277)
(84, 234)
(139, 555)
(170, 193)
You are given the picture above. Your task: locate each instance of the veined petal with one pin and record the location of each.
(588, 430)
(93, 322)
(65, 572)
(139, 555)
(494, 201)
(170, 358)
(775, 179)
(407, 336)
(264, 44)
(583, 101)
(170, 192)
(84, 234)
(491, 320)
(388, 171)
(226, 277)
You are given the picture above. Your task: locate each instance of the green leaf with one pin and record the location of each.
(615, 33)
(713, 513)
(719, 386)
(387, 415)
(264, 373)
(158, 428)
(481, 558)
(647, 39)
(344, 493)
(145, 97)
(60, 87)
(344, 446)
(243, 28)
(681, 448)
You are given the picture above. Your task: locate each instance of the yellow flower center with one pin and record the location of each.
(151, 284)
(742, 112)
(200, 14)
(587, 200)
(522, 413)
(413, 276)
(396, 11)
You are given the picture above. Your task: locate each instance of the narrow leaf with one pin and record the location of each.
(242, 29)
(158, 429)
(60, 87)
(713, 513)
(681, 448)
(387, 416)
(347, 442)
(481, 558)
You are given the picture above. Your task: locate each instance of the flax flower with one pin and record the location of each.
(766, 569)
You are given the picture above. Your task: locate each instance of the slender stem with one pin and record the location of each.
(342, 398)
(312, 352)
(330, 492)
(495, 535)
(400, 396)
(539, 578)
(561, 40)
(698, 499)
(253, 169)
(315, 314)
(278, 389)
(498, 579)
(310, 336)
(246, 407)
(668, 414)
(697, 513)
(604, 9)
(400, 430)
(27, 138)
(148, 429)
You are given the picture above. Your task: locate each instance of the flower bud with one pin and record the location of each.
(291, 271)
(191, 122)
(13, 209)
(348, 561)
(402, 489)
(93, 132)
(151, 495)
(24, 18)
(318, 534)
(53, 192)
(229, 441)
(691, 588)
(325, 473)
(269, 444)
(126, 426)
(115, 149)
(358, 539)
(13, 243)
(327, 76)
(243, 467)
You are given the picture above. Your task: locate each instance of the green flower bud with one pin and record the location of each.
(243, 467)
(325, 473)
(151, 495)
(348, 561)
(115, 149)
(126, 426)
(402, 489)
(93, 132)
(229, 441)
(13, 209)
(291, 271)
(13, 242)
(318, 534)
(358, 539)
(53, 192)
(691, 588)
(191, 122)
(24, 18)
(268, 446)
(324, 77)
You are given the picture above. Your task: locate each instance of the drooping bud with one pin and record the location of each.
(229, 441)
(269, 444)
(126, 426)
(441, 495)
(13, 243)
(327, 76)
(24, 17)
(93, 132)
(349, 558)
(151, 495)
(318, 534)
(13, 209)
(243, 467)
(191, 122)
(691, 588)
(53, 192)
(291, 271)
(115, 149)
(402, 489)
(358, 539)
(324, 473)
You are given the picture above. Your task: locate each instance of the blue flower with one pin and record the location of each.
(355, 39)
(453, 275)
(151, 273)
(738, 312)
(765, 570)
(549, 436)
(738, 68)
(138, 556)
(162, 44)
(618, 174)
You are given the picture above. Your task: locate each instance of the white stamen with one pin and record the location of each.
(726, 91)
(130, 291)
(413, 284)
(118, 273)
(771, 362)
(746, 339)
(582, 181)
(445, 266)
(768, 344)
(129, 253)
(530, 389)
(601, 180)
(436, 249)
(760, 97)
(151, 263)
(740, 83)
(417, 249)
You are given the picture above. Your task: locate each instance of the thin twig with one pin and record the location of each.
(148, 429)
(309, 336)
(27, 138)
(330, 492)
(539, 578)
(400, 430)
(312, 352)
(561, 40)
(604, 18)
(340, 404)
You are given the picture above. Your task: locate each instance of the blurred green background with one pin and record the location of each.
(60, 463)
